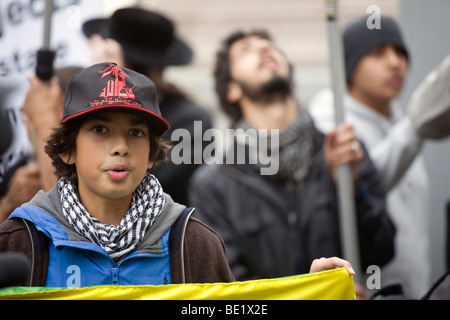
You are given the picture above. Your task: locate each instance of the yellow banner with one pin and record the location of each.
(334, 284)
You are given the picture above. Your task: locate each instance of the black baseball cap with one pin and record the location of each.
(108, 86)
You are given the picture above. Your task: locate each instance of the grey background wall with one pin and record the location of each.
(426, 28)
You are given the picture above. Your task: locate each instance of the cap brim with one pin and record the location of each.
(158, 123)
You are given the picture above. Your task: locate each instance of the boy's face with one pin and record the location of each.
(380, 73)
(112, 155)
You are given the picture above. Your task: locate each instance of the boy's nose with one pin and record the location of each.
(120, 147)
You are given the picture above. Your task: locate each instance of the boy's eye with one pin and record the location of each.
(99, 129)
(137, 133)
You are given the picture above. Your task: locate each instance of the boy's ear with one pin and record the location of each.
(234, 92)
(67, 158)
(150, 164)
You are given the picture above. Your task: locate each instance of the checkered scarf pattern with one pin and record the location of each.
(147, 204)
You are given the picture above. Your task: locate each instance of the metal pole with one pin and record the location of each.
(347, 211)
(47, 24)
(45, 56)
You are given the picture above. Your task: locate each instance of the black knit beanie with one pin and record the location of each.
(359, 40)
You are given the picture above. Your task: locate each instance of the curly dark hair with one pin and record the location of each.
(222, 74)
(63, 140)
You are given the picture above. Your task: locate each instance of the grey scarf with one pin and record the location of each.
(147, 204)
(294, 148)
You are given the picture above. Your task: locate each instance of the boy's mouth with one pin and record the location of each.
(118, 172)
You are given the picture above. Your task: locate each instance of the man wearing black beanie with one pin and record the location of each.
(359, 40)
(376, 64)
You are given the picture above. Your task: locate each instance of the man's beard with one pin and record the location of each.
(278, 88)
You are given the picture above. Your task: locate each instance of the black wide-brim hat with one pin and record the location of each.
(107, 87)
(147, 38)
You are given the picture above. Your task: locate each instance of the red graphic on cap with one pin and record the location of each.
(116, 93)
(116, 87)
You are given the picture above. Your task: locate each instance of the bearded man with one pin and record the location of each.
(276, 225)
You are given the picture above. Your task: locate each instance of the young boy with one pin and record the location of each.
(107, 220)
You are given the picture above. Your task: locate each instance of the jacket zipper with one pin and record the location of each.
(183, 232)
(32, 252)
(115, 280)
(116, 266)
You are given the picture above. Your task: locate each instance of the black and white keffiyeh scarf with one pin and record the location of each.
(147, 204)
